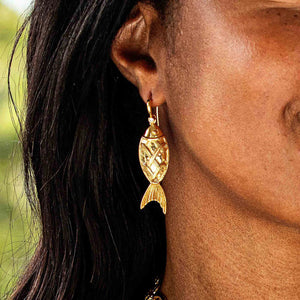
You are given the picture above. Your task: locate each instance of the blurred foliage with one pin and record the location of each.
(17, 233)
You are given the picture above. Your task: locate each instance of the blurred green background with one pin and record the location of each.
(17, 238)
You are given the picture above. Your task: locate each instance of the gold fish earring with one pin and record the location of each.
(154, 160)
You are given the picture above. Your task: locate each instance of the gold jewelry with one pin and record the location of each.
(154, 160)
(154, 293)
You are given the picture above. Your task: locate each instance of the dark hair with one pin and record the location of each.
(80, 140)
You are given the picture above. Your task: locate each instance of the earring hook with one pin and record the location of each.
(152, 118)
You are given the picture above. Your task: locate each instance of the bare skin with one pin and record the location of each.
(229, 89)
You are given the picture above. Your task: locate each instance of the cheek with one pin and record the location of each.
(229, 109)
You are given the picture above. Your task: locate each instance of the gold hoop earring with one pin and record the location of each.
(154, 160)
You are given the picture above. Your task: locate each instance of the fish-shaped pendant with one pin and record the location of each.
(154, 161)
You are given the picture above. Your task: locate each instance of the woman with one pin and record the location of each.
(225, 75)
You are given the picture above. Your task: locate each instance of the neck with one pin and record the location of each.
(218, 249)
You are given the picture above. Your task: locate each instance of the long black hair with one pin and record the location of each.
(80, 139)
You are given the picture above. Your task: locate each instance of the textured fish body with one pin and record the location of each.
(154, 160)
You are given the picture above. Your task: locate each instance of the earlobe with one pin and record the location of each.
(131, 50)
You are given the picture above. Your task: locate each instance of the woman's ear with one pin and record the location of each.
(134, 51)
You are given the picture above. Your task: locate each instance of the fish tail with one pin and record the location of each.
(155, 193)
